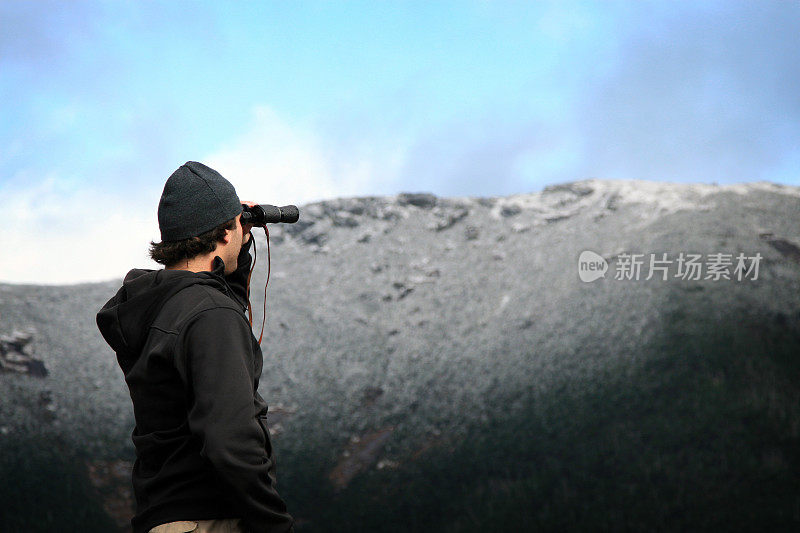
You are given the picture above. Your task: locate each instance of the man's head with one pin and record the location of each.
(199, 213)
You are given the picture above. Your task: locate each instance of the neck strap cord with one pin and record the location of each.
(249, 274)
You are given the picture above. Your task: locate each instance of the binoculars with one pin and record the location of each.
(260, 215)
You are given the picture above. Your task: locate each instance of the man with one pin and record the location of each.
(192, 365)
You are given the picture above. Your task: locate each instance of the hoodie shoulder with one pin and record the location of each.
(125, 320)
(187, 303)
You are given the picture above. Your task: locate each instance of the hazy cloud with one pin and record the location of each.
(278, 162)
(66, 235)
(478, 158)
(691, 93)
(700, 96)
(33, 34)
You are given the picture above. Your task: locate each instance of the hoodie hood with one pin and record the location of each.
(124, 321)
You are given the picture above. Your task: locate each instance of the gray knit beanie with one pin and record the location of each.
(196, 199)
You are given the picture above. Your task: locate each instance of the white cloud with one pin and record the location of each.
(58, 235)
(279, 163)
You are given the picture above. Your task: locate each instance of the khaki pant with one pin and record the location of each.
(225, 525)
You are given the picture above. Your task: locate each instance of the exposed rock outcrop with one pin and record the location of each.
(16, 355)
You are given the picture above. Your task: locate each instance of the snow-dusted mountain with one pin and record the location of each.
(402, 331)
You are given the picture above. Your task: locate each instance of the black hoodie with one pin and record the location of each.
(192, 365)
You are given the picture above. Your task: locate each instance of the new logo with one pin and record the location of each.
(591, 266)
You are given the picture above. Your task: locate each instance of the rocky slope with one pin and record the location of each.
(399, 328)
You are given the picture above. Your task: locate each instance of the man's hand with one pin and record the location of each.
(247, 227)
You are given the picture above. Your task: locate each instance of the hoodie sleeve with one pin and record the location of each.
(238, 279)
(218, 354)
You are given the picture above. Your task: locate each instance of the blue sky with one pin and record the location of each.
(302, 101)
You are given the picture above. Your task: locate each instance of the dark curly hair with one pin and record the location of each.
(170, 253)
